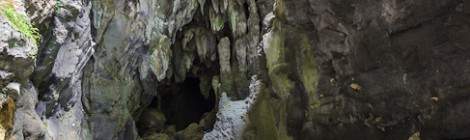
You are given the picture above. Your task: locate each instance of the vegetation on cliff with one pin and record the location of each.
(18, 21)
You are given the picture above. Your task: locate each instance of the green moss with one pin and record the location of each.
(157, 136)
(19, 22)
(277, 65)
(216, 20)
(262, 124)
(266, 119)
(308, 71)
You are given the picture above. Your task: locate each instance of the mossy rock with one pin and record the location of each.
(160, 57)
(19, 22)
(217, 21)
(263, 120)
(158, 136)
(192, 132)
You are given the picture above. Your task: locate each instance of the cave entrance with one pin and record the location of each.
(176, 106)
(184, 103)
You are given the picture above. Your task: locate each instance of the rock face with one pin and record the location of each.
(234, 69)
(407, 60)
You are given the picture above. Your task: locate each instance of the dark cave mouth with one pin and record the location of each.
(182, 104)
(188, 105)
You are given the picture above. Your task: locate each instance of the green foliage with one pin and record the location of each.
(19, 22)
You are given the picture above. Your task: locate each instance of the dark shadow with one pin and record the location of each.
(186, 104)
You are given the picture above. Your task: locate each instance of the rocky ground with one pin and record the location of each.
(234, 69)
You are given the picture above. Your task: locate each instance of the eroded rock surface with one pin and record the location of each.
(235, 69)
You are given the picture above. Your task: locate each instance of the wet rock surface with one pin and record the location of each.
(235, 69)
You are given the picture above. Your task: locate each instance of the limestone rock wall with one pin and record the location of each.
(235, 69)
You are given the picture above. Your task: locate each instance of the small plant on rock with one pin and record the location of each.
(18, 21)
